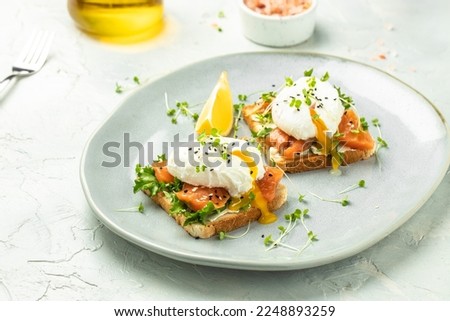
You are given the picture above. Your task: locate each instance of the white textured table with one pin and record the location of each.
(53, 248)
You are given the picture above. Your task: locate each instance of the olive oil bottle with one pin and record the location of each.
(122, 21)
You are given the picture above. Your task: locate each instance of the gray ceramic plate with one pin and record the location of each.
(411, 169)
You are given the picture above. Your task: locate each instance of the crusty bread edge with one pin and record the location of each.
(303, 163)
(224, 223)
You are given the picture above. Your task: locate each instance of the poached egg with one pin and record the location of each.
(218, 162)
(297, 121)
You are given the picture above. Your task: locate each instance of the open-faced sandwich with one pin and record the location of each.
(310, 124)
(214, 185)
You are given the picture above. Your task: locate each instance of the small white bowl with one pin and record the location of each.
(277, 31)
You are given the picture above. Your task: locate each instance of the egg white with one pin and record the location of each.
(298, 122)
(203, 165)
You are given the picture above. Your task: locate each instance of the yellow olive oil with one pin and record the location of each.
(118, 20)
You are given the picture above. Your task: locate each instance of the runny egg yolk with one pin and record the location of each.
(259, 201)
(324, 140)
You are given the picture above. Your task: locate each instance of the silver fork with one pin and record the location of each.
(31, 59)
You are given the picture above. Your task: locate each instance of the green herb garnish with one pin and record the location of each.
(160, 158)
(199, 168)
(201, 215)
(343, 202)
(238, 112)
(292, 219)
(301, 198)
(288, 81)
(119, 88)
(382, 143)
(360, 184)
(346, 101)
(263, 132)
(224, 235)
(139, 208)
(268, 96)
(325, 77)
(364, 125)
(308, 73)
(296, 103)
(311, 82)
(181, 108)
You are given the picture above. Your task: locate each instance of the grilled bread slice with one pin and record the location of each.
(225, 223)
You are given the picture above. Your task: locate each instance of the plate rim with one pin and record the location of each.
(252, 265)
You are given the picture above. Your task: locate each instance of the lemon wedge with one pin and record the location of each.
(218, 110)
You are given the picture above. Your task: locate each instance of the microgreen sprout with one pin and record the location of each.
(381, 143)
(296, 103)
(308, 94)
(284, 231)
(268, 96)
(263, 132)
(308, 73)
(346, 101)
(181, 108)
(221, 14)
(364, 125)
(119, 88)
(160, 158)
(139, 208)
(199, 168)
(297, 216)
(238, 112)
(288, 81)
(242, 97)
(301, 198)
(343, 202)
(223, 235)
(361, 184)
(325, 77)
(311, 82)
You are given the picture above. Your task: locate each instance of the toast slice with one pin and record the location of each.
(194, 214)
(301, 163)
(225, 223)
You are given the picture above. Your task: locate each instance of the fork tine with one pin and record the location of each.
(43, 50)
(36, 51)
(36, 45)
(28, 47)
